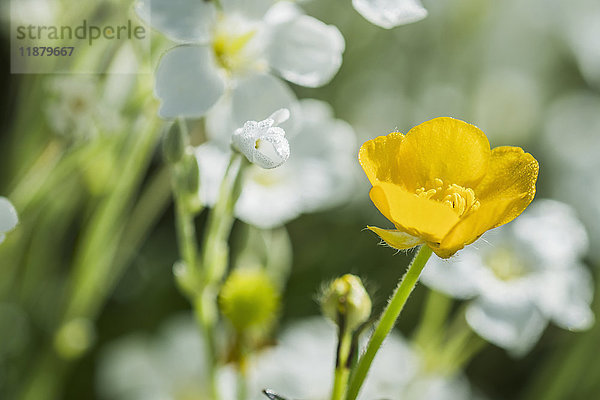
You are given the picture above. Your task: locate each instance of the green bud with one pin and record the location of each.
(346, 298)
(190, 175)
(249, 299)
(74, 338)
(175, 142)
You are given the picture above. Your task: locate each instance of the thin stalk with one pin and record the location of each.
(388, 319)
(342, 370)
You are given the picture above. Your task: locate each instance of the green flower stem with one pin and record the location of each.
(215, 249)
(388, 319)
(214, 259)
(342, 370)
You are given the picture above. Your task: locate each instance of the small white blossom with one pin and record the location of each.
(319, 173)
(520, 276)
(244, 41)
(8, 217)
(390, 13)
(264, 143)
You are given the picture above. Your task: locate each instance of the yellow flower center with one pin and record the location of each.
(459, 198)
(231, 46)
(506, 265)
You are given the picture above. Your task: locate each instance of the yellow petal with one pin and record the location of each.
(396, 239)
(511, 175)
(473, 226)
(379, 158)
(444, 148)
(427, 219)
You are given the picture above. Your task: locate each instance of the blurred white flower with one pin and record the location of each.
(319, 173)
(240, 44)
(77, 110)
(264, 143)
(520, 276)
(390, 13)
(8, 217)
(169, 366)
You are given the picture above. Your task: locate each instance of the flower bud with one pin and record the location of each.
(174, 143)
(346, 298)
(190, 175)
(249, 299)
(263, 143)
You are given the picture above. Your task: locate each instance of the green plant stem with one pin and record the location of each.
(388, 319)
(214, 260)
(342, 370)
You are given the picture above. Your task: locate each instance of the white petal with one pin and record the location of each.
(390, 13)
(188, 82)
(457, 277)
(282, 12)
(8, 216)
(565, 296)
(253, 98)
(270, 197)
(262, 143)
(271, 151)
(552, 230)
(304, 50)
(280, 116)
(251, 9)
(212, 162)
(323, 153)
(180, 20)
(514, 327)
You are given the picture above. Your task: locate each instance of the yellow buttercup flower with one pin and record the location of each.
(441, 184)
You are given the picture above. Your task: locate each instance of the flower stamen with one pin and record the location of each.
(461, 199)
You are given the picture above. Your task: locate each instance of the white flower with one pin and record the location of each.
(520, 276)
(264, 143)
(319, 173)
(8, 217)
(245, 41)
(390, 13)
(78, 109)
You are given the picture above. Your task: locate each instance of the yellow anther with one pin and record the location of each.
(461, 199)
